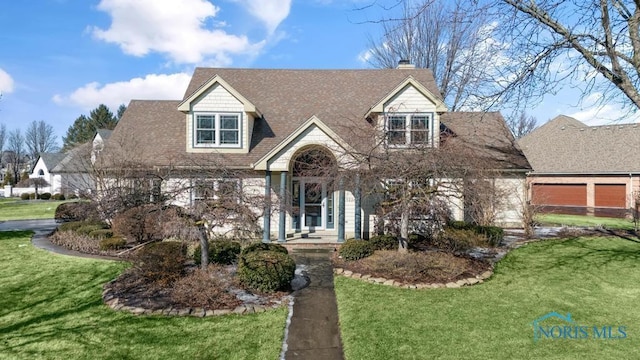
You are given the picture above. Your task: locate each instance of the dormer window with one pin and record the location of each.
(217, 130)
(409, 129)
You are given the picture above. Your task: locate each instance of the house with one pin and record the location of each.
(67, 173)
(43, 169)
(586, 170)
(266, 121)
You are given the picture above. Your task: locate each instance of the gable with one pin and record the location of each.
(217, 98)
(312, 132)
(409, 99)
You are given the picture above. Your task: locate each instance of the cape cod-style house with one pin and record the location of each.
(266, 120)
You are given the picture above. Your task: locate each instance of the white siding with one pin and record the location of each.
(311, 136)
(509, 213)
(409, 99)
(217, 99)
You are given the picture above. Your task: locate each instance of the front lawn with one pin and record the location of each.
(582, 220)
(17, 209)
(51, 307)
(593, 279)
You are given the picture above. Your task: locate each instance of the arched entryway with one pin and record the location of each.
(313, 170)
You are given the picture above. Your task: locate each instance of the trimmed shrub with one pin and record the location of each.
(75, 225)
(58, 196)
(45, 196)
(77, 211)
(89, 228)
(418, 241)
(144, 223)
(33, 196)
(25, 196)
(460, 225)
(101, 234)
(384, 242)
(75, 241)
(454, 240)
(112, 243)
(266, 271)
(494, 234)
(353, 250)
(222, 252)
(161, 262)
(260, 246)
(72, 196)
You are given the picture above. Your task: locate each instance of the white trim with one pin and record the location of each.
(216, 129)
(410, 81)
(408, 130)
(185, 105)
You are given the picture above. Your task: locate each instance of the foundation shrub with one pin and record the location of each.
(353, 250)
(266, 271)
(384, 242)
(101, 234)
(260, 246)
(223, 252)
(454, 240)
(161, 262)
(112, 243)
(25, 196)
(77, 211)
(144, 223)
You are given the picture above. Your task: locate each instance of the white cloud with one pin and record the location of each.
(598, 113)
(270, 12)
(153, 86)
(177, 29)
(6, 82)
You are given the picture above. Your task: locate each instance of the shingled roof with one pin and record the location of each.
(565, 145)
(51, 159)
(487, 134)
(156, 130)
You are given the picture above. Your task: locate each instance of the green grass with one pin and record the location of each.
(50, 307)
(593, 279)
(580, 220)
(16, 209)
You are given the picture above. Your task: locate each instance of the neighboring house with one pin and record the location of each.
(43, 169)
(265, 121)
(580, 169)
(67, 173)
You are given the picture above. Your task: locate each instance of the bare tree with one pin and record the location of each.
(595, 43)
(15, 149)
(3, 138)
(40, 138)
(452, 38)
(521, 124)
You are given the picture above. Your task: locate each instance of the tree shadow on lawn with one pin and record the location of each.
(585, 254)
(9, 235)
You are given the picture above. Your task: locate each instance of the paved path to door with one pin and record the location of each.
(314, 332)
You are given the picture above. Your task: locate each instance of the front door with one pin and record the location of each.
(312, 205)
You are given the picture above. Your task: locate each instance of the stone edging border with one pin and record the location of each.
(116, 304)
(382, 281)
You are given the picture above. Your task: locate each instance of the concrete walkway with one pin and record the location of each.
(42, 229)
(314, 332)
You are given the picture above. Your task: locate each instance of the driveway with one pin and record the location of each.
(37, 226)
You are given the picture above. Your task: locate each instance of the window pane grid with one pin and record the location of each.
(217, 129)
(405, 129)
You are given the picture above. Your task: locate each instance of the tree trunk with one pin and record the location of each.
(204, 247)
(404, 230)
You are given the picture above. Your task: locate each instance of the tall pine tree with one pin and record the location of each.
(84, 128)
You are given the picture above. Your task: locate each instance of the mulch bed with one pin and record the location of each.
(134, 290)
(416, 267)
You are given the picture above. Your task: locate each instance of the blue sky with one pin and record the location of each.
(61, 58)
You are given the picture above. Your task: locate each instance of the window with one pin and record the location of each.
(221, 190)
(409, 129)
(217, 130)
